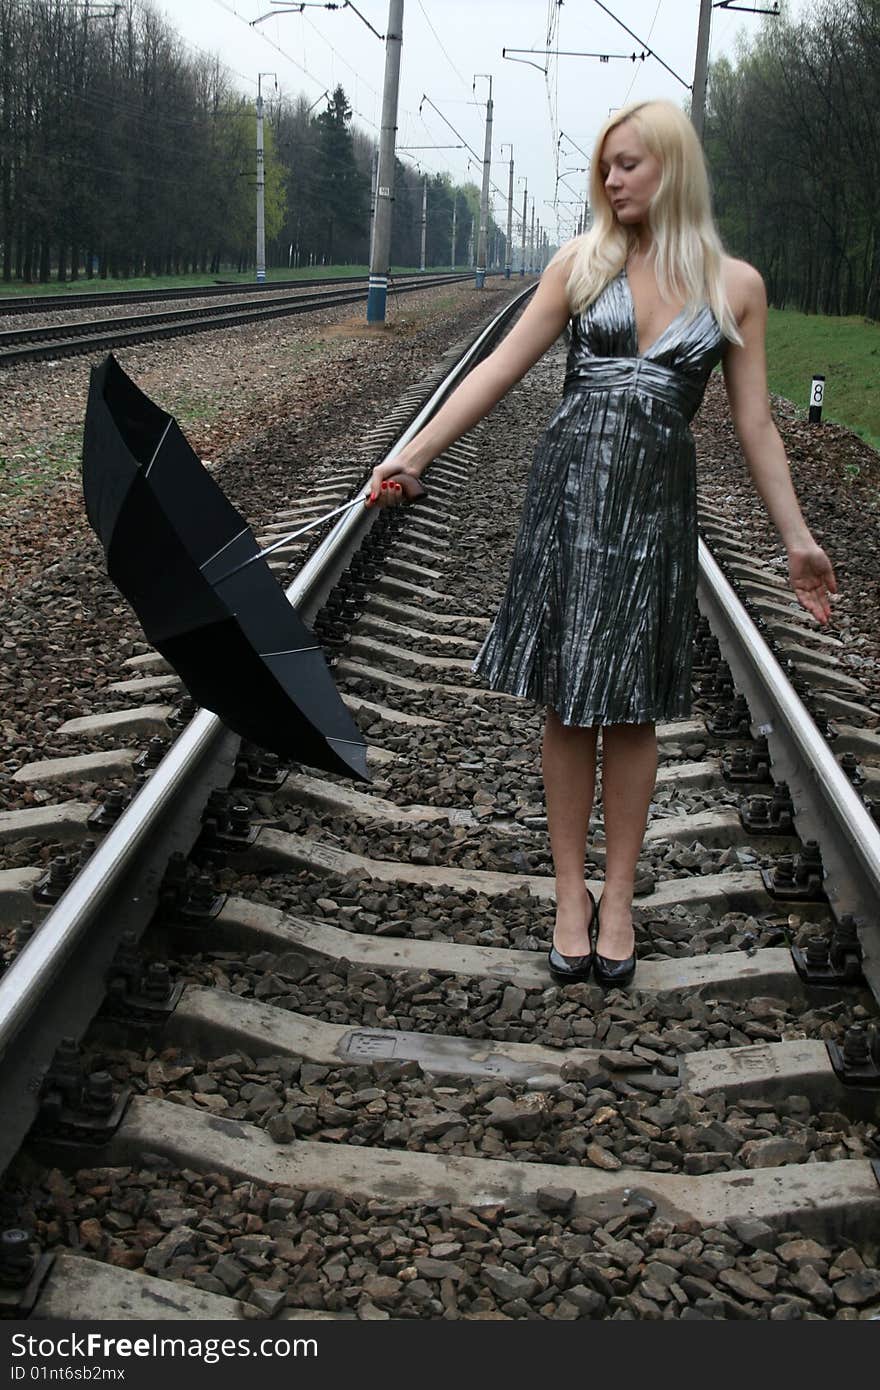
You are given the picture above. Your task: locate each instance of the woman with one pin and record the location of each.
(597, 618)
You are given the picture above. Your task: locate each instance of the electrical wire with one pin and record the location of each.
(635, 76)
(126, 172)
(230, 9)
(342, 60)
(440, 45)
(203, 53)
(646, 46)
(155, 115)
(325, 86)
(551, 41)
(493, 186)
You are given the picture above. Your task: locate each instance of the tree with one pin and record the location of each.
(793, 143)
(339, 188)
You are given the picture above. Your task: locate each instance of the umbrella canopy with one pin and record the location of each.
(174, 544)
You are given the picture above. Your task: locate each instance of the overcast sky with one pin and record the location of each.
(445, 43)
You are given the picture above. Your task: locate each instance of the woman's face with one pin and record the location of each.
(631, 175)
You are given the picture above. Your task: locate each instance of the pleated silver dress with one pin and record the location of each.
(598, 614)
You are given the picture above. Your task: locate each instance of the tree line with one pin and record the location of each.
(793, 143)
(121, 153)
(328, 171)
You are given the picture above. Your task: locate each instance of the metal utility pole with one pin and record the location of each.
(261, 182)
(374, 180)
(454, 215)
(532, 241)
(522, 267)
(484, 195)
(380, 253)
(701, 68)
(508, 249)
(538, 247)
(424, 219)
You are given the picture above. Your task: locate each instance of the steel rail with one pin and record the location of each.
(100, 333)
(827, 807)
(45, 303)
(302, 591)
(45, 955)
(261, 304)
(32, 973)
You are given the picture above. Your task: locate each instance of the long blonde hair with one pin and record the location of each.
(687, 251)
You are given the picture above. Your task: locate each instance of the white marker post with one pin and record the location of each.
(817, 396)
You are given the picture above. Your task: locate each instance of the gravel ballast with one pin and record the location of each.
(279, 1248)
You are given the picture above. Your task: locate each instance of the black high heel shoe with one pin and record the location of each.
(611, 974)
(572, 970)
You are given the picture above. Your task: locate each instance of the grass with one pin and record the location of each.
(845, 350)
(162, 282)
(28, 469)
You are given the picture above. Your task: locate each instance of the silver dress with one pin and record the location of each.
(597, 617)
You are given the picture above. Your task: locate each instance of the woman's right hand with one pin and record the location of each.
(383, 491)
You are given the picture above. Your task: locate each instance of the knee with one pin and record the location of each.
(629, 735)
(554, 725)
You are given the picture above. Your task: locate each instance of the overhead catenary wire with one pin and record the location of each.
(288, 57)
(552, 114)
(441, 47)
(647, 47)
(343, 60)
(635, 76)
(458, 134)
(112, 104)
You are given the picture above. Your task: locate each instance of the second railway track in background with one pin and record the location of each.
(67, 339)
(75, 299)
(337, 1047)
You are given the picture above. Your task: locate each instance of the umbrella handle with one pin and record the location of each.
(411, 487)
(413, 490)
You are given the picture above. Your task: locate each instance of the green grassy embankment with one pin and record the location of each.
(845, 350)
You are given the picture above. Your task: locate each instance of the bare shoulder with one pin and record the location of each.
(554, 280)
(744, 286)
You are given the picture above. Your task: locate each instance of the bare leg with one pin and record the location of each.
(569, 765)
(629, 771)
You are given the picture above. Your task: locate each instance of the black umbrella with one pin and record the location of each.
(189, 566)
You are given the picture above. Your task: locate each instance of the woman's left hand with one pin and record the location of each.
(812, 579)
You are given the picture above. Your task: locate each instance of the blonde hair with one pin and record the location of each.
(687, 250)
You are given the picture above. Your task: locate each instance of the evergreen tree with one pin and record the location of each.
(340, 190)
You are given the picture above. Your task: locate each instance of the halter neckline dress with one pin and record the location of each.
(598, 614)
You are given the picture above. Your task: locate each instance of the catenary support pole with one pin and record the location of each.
(484, 195)
(374, 181)
(380, 255)
(522, 267)
(701, 68)
(261, 185)
(454, 219)
(424, 219)
(508, 246)
(532, 241)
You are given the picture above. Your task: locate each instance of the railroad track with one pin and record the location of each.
(68, 339)
(341, 1010)
(47, 303)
